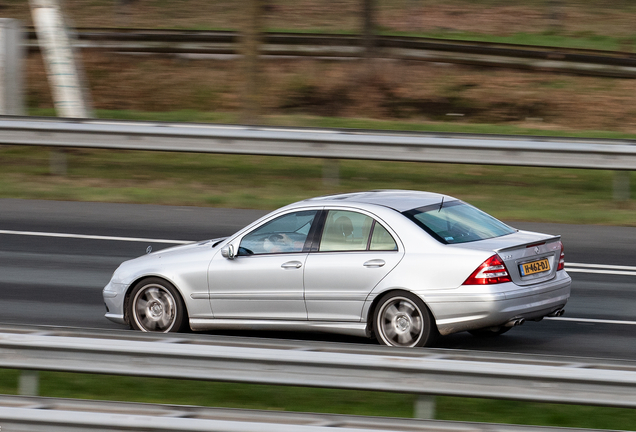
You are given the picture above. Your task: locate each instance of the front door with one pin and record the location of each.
(265, 279)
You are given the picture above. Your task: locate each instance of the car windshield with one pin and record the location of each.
(457, 222)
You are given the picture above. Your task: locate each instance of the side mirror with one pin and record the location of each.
(228, 252)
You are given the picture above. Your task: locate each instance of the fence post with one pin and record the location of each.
(621, 185)
(11, 67)
(331, 172)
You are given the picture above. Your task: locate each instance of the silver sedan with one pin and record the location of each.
(401, 266)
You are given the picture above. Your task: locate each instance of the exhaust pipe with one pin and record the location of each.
(557, 313)
(515, 322)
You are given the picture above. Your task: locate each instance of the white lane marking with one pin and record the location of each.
(571, 267)
(94, 237)
(609, 272)
(591, 320)
(602, 266)
(600, 269)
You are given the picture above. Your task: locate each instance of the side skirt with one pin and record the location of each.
(347, 328)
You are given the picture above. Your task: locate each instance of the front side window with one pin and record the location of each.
(285, 234)
(352, 231)
(457, 222)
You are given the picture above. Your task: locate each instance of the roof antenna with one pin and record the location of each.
(441, 205)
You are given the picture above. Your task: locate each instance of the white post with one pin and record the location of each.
(57, 53)
(11, 67)
(69, 94)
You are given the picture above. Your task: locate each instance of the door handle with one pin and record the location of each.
(292, 264)
(374, 263)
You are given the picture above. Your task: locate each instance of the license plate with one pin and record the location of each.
(534, 267)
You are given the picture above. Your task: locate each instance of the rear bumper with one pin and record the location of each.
(476, 307)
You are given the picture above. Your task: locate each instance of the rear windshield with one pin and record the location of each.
(457, 222)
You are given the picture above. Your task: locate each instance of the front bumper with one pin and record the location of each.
(477, 307)
(114, 294)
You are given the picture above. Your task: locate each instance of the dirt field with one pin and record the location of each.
(412, 91)
(600, 17)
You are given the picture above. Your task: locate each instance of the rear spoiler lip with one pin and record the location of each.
(522, 245)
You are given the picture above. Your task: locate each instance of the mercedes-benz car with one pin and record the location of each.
(401, 266)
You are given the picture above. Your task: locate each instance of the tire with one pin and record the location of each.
(489, 331)
(154, 305)
(401, 319)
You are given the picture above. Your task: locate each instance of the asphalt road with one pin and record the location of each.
(57, 281)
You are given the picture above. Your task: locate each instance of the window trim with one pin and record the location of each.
(308, 241)
(316, 243)
(410, 215)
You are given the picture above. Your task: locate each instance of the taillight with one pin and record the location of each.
(561, 265)
(492, 271)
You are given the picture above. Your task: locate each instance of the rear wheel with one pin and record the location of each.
(403, 320)
(155, 306)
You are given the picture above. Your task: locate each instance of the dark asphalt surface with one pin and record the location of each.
(58, 281)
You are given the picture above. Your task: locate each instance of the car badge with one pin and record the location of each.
(149, 249)
(536, 249)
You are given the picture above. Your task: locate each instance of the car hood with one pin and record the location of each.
(129, 270)
(176, 250)
(185, 248)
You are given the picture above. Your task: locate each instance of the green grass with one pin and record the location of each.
(152, 390)
(235, 181)
(554, 39)
(584, 40)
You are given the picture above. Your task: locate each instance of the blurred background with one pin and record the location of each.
(379, 85)
(539, 67)
(395, 89)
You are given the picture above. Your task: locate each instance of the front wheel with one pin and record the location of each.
(155, 306)
(403, 320)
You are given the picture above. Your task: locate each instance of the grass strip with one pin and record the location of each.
(280, 398)
(236, 181)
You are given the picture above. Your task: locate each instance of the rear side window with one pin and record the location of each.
(457, 222)
(352, 231)
(381, 240)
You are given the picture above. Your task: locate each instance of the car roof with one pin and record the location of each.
(400, 200)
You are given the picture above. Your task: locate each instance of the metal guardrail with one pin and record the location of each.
(321, 143)
(578, 61)
(46, 414)
(416, 371)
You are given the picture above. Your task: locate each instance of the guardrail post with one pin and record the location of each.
(58, 164)
(331, 172)
(621, 185)
(424, 407)
(11, 67)
(29, 383)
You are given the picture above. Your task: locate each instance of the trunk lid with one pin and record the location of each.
(529, 257)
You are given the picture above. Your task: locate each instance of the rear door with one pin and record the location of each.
(354, 254)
